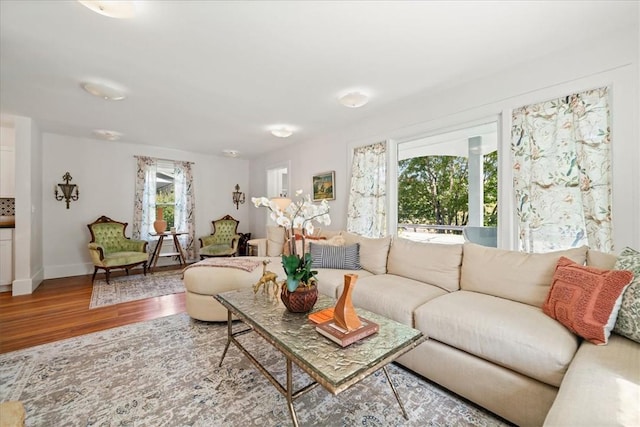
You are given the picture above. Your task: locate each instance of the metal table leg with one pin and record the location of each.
(229, 335)
(395, 392)
(292, 410)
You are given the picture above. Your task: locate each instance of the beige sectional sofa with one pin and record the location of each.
(489, 340)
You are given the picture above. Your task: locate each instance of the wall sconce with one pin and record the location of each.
(67, 190)
(238, 196)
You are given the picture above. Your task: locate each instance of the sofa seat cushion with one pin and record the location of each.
(511, 334)
(393, 296)
(601, 387)
(433, 263)
(116, 259)
(331, 281)
(207, 280)
(217, 250)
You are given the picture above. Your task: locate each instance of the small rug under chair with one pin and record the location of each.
(165, 372)
(135, 287)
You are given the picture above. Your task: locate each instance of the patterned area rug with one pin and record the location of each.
(165, 373)
(135, 287)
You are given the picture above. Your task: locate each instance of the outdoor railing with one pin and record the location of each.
(448, 229)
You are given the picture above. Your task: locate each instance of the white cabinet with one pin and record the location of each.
(7, 172)
(7, 162)
(6, 256)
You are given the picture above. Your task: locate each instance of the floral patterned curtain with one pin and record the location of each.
(562, 172)
(366, 213)
(145, 197)
(185, 206)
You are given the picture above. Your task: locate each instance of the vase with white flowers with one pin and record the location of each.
(299, 292)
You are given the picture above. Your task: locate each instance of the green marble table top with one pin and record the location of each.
(336, 368)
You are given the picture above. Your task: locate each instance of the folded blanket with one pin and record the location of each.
(245, 264)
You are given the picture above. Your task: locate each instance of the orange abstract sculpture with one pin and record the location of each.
(344, 315)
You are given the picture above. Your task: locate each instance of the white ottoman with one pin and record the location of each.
(207, 278)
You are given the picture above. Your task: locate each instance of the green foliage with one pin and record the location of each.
(298, 270)
(166, 200)
(434, 190)
(490, 166)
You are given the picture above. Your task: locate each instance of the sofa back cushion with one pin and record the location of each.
(513, 275)
(599, 259)
(373, 252)
(433, 263)
(275, 240)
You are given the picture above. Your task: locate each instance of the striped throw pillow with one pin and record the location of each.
(338, 257)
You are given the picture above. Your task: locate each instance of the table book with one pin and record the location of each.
(322, 315)
(343, 337)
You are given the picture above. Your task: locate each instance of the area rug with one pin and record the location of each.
(165, 372)
(135, 287)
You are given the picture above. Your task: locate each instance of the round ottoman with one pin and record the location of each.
(209, 277)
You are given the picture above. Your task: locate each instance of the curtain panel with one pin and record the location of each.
(144, 198)
(366, 214)
(185, 206)
(562, 172)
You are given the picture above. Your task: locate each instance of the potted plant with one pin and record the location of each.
(299, 292)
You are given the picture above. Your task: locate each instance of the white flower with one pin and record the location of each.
(299, 214)
(309, 227)
(283, 221)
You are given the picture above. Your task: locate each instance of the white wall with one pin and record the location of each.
(28, 229)
(609, 61)
(105, 173)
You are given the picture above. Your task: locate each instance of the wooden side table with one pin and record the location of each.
(179, 252)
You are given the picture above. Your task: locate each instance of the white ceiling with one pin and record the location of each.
(205, 76)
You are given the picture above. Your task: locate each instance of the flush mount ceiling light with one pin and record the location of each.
(109, 135)
(119, 9)
(354, 99)
(231, 153)
(103, 91)
(282, 132)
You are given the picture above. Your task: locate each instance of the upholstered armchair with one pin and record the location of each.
(224, 239)
(111, 249)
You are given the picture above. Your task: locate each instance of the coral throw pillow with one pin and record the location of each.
(586, 300)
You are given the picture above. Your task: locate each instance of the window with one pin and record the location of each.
(164, 185)
(165, 192)
(448, 181)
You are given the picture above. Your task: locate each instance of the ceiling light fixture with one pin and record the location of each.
(354, 99)
(109, 135)
(119, 9)
(231, 153)
(282, 132)
(104, 91)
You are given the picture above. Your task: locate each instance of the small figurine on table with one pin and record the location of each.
(267, 280)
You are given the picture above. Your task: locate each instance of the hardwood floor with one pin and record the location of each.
(59, 309)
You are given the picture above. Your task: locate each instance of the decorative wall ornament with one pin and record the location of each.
(68, 193)
(238, 196)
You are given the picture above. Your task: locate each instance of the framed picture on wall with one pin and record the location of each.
(323, 186)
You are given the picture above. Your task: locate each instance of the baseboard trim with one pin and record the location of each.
(27, 286)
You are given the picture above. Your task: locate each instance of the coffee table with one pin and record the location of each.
(328, 364)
